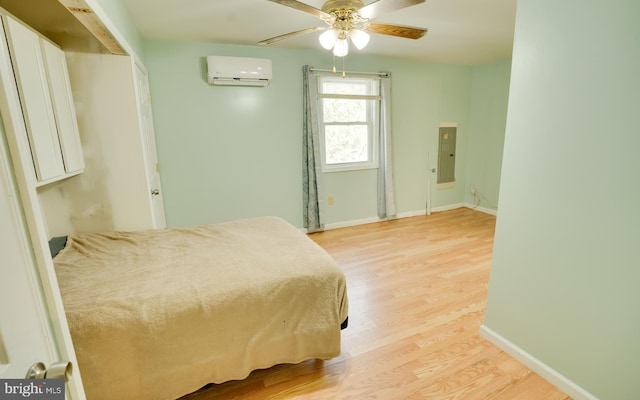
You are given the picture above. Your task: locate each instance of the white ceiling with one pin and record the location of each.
(460, 31)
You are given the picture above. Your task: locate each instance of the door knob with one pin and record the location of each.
(57, 370)
(36, 371)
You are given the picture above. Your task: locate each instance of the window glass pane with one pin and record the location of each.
(344, 110)
(346, 144)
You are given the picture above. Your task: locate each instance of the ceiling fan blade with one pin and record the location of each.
(303, 7)
(380, 7)
(291, 34)
(396, 30)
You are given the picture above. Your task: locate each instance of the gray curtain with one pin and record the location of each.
(313, 209)
(386, 200)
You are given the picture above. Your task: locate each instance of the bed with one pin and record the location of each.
(157, 314)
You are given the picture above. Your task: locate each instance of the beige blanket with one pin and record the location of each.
(157, 314)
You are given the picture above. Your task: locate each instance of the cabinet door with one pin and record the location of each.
(63, 107)
(29, 69)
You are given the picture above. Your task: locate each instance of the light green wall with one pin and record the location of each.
(489, 97)
(203, 132)
(234, 152)
(423, 96)
(566, 265)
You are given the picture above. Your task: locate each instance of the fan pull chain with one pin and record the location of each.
(344, 70)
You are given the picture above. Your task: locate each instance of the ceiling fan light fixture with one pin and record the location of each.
(328, 39)
(341, 48)
(359, 38)
(350, 19)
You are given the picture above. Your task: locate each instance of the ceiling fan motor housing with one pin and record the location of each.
(332, 6)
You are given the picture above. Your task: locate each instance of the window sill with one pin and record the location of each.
(343, 168)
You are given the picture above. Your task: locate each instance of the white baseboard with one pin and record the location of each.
(408, 214)
(353, 222)
(447, 207)
(537, 366)
(482, 209)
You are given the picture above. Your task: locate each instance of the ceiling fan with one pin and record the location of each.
(350, 19)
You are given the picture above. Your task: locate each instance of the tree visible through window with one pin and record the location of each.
(348, 112)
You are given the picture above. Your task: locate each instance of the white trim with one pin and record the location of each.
(349, 96)
(447, 207)
(482, 209)
(371, 123)
(356, 222)
(537, 366)
(371, 220)
(408, 214)
(349, 166)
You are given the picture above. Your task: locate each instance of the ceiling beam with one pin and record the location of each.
(83, 12)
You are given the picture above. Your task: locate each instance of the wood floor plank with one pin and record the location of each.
(417, 291)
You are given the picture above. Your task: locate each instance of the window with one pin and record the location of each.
(348, 110)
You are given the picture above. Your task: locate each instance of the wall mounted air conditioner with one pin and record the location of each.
(238, 71)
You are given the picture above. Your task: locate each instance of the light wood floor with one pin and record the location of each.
(417, 288)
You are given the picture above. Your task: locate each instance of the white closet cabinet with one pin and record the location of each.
(47, 106)
(63, 107)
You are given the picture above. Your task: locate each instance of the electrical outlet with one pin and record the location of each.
(473, 190)
(330, 200)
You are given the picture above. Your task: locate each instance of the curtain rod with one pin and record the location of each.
(351, 72)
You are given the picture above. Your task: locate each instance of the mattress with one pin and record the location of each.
(157, 314)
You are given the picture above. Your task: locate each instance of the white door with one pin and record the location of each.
(26, 337)
(24, 331)
(150, 152)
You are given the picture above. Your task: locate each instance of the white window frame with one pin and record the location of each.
(373, 123)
